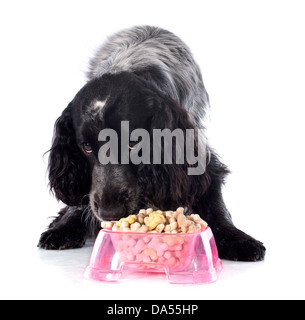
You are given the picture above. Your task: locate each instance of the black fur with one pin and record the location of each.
(69, 173)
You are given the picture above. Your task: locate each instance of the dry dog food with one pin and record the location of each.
(156, 238)
(157, 222)
(169, 250)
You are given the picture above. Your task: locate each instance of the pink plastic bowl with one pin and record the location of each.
(189, 258)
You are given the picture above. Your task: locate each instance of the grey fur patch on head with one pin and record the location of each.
(95, 109)
(98, 105)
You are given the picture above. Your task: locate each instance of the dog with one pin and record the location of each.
(145, 76)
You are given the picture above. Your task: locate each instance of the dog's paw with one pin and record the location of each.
(59, 239)
(242, 249)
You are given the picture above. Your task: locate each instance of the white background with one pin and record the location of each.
(252, 58)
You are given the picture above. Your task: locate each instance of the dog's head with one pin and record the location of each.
(121, 104)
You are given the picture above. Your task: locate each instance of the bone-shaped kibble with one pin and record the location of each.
(158, 222)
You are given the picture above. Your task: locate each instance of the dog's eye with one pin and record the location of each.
(133, 144)
(86, 146)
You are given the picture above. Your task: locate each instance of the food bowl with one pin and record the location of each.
(186, 258)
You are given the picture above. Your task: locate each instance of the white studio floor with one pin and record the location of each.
(34, 273)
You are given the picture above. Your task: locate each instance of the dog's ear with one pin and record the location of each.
(69, 178)
(171, 184)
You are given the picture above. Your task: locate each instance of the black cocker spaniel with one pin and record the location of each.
(146, 78)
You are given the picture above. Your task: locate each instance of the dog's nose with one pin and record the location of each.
(112, 214)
